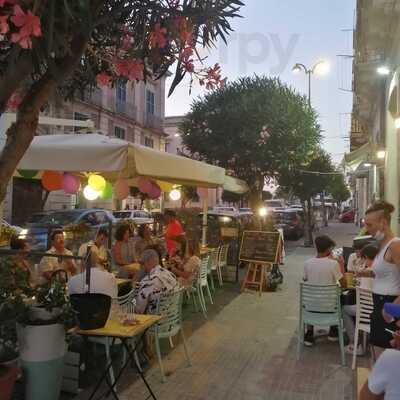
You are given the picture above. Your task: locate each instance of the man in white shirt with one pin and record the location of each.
(383, 381)
(323, 270)
(101, 281)
(156, 282)
(355, 262)
(50, 264)
(97, 246)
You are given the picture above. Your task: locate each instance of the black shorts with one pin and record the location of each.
(379, 337)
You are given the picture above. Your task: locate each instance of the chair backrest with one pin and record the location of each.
(365, 306)
(169, 306)
(60, 275)
(213, 259)
(223, 255)
(127, 302)
(320, 298)
(203, 271)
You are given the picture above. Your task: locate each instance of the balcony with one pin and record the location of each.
(153, 122)
(92, 96)
(125, 108)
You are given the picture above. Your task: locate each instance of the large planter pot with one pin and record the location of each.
(42, 350)
(8, 375)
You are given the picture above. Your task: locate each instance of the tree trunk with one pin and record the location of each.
(308, 237)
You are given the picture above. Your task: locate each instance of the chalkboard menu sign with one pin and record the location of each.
(259, 246)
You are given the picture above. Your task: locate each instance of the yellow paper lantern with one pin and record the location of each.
(165, 186)
(97, 182)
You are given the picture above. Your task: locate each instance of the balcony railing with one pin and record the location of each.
(93, 96)
(152, 121)
(128, 109)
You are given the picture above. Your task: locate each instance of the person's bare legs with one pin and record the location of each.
(377, 351)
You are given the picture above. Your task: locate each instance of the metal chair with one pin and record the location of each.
(222, 261)
(365, 306)
(320, 306)
(169, 306)
(202, 281)
(212, 266)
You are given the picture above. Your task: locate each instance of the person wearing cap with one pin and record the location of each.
(156, 282)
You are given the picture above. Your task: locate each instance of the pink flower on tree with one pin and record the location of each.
(29, 25)
(103, 79)
(158, 36)
(4, 27)
(4, 2)
(131, 69)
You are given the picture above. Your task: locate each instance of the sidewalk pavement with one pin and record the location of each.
(248, 350)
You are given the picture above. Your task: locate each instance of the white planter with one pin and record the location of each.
(42, 349)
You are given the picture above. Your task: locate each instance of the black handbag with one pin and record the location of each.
(274, 277)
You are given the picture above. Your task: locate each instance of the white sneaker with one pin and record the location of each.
(349, 349)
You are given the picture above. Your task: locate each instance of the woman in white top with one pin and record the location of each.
(385, 271)
(187, 270)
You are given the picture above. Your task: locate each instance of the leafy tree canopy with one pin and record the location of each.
(255, 127)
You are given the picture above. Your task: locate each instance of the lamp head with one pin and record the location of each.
(296, 69)
(321, 68)
(383, 70)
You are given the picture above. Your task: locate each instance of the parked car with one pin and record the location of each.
(139, 217)
(225, 210)
(347, 216)
(36, 217)
(245, 211)
(37, 234)
(274, 204)
(291, 222)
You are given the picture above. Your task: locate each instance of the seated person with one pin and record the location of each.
(355, 261)
(383, 382)
(123, 252)
(187, 270)
(157, 281)
(101, 281)
(368, 254)
(50, 264)
(19, 259)
(97, 246)
(323, 270)
(145, 239)
(173, 233)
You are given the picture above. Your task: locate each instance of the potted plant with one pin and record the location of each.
(41, 330)
(14, 284)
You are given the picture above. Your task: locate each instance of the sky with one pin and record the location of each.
(271, 37)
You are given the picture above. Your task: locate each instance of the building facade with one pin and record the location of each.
(373, 163)
(131, 111)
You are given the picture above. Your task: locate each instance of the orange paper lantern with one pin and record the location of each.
(52, 180)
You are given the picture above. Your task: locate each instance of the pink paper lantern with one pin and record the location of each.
(155, 192)
(121, 189)
(144, 185)
(70, 183)
(202, 192)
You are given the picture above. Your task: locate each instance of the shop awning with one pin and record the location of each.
(235, 185)
(364, 153)
(115, 159)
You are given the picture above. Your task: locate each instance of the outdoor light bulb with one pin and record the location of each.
(322, 68)
(381, 154)
(175, 195)
(90, 194)
(296, 69)
(176, 135)
(367, 164)
(262, 212)
(397, 123)
(383, 70)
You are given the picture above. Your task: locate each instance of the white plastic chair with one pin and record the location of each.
(169, 306)
(212, 266)
(222, 261)
(320, 306)
(202, 281)
(365, 306)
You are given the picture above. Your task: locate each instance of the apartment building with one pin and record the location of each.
(372, 164)
(131, 111)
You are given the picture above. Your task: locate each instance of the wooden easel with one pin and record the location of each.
(256, 277)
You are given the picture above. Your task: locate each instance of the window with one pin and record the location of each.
(148, 142)
(150, 102)
(90, 219)
(119, 132)
(120, 88)
(101, 217)
(79, 117)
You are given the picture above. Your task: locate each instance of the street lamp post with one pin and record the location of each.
(321, 67)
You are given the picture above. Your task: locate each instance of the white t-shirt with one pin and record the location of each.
(100, 282)
(322, 271)
(384, 377)
(53, 264)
